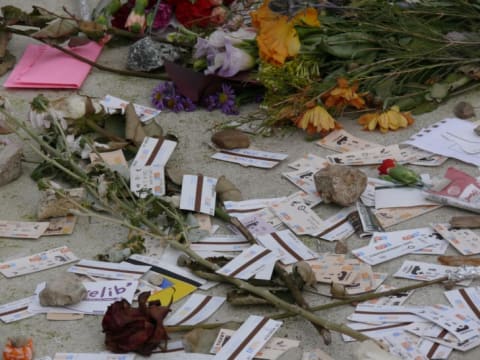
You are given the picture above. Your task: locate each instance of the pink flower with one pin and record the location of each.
(136, 22)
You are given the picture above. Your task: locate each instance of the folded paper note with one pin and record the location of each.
(42, 66)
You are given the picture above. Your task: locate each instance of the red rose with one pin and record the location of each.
(386, 164)
(197, 14)
(134, 329)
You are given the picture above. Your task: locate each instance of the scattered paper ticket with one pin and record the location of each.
(397, 197)
(291, 248)
(390, 300)
(422, 271)
(115, 157)
(366, 157)
(392, 216)
(385, 250)
(343, 141)
(198, 194)
(378, 314)
(16, 310)
(249, 157)
(257, 225)
(195, 310)
(93, 356)
(272, 350)
(114, 104)
(221, 243)
(303, 178)
(37, 262)
(464, 240)
(63, 225)
(309, 161)
(249, 262)
(365, 281)
(147, 173)
(298, 216)
(22, 229)
(249, 339)
(109, 270)
(462, 326)
(465, 300)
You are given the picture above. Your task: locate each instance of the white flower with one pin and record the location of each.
(235, 60)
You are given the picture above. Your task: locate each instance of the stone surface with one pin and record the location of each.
(148, 55)
(477, 130)
(231, 139)
(66, 289)
(10, 162)
(339, 184)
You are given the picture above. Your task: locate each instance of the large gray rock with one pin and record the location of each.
(66, 289)
(148, 55)
(10, 162)
(339, 184)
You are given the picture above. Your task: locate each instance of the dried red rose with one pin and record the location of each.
(139, 329)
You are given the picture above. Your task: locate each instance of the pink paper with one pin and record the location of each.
(42, 66)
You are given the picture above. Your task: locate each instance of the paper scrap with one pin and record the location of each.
(378, 314)
(147, 172)
(115, 157)
(184, 282)
(343, 141)
(249, 262)
(195, 310)
(298, 216)
(64, 317)
(272, 350)
(249, 339)
(291, 248)
(366, 157)
(44, 67)
(249, 157)
(63, 225)
(198, 194)
(22, 229)
(393, 216)
(303, 178)
(465, 241)
(37, 262)
(108, 270)
(114, 104)
(397, 197)
(221, 243)
(309, 161)
(16, 310)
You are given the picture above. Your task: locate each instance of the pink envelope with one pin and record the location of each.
(42, 66)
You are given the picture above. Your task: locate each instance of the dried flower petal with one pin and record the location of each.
(392, 119)
(139, 329)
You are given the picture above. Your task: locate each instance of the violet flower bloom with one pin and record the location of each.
(235, 60)
(166, 96)
(211, 102)
(226, 100)
(163, 91)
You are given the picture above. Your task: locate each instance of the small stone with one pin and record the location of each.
(148, 55)
(464, 110)
(231, 139)
(477, 130)
(116, 255)
(227, 191)
(66, 289)
(10, 162)
(339, 184)
(155, 279)
(341, 247)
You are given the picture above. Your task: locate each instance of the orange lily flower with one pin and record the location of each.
(316, 120)
(277, 38)
(391, 119)
(344, 95)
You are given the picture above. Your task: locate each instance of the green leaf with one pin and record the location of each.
(439, 91)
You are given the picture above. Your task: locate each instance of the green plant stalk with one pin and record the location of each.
(267, 295)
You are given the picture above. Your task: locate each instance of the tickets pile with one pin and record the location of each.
(421, 332)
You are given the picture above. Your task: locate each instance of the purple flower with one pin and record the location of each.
(235, 60)
(226, 100)
(166, 96)
(211, 102)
